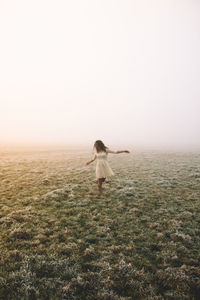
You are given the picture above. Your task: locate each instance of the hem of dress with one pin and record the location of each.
(106, 176)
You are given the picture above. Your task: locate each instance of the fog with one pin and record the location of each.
(126, 72)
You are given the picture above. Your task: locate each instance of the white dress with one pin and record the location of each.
(103, 169)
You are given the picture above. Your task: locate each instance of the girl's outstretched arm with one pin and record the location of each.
(122, 151)
(117, 151)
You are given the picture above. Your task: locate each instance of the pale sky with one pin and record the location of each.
(124, 71)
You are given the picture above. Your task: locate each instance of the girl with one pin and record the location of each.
(102, 168)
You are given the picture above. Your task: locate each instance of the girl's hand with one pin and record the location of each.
(87, 163)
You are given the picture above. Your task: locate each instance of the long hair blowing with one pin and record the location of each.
(99, 146)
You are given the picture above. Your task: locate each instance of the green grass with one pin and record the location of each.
(59, 240)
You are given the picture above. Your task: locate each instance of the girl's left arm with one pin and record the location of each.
(118, 151)
(122, 151)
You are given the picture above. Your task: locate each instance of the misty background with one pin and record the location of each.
(126, 72)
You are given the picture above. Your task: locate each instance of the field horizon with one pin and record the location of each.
(138, 148)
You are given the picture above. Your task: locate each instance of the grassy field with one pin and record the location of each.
(59, 240)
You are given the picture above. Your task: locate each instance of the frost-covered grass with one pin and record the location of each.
(59, 240)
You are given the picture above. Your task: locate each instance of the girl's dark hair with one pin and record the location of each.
(99, 145)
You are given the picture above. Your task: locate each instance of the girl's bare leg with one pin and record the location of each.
(100, 181)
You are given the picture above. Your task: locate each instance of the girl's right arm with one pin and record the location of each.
(89, 162)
